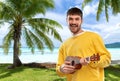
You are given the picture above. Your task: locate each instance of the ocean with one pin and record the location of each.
(44, 56)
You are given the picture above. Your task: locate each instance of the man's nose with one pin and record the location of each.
(73, 22)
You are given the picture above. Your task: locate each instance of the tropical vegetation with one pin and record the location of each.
(23, 25)
(105, 6)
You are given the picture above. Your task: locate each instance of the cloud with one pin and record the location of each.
(79, 2)
(3, 30)
(113, 34)
(58, 3)
(65, 32)
(2, 0)
(110, 31)
(90, 9)
(61, 18)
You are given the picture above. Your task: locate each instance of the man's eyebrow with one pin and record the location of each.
(70, 18)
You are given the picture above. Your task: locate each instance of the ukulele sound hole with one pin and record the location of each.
(72, 63)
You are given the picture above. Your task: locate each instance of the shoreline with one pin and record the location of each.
(115, 61)
(52, 64)
(112, 62)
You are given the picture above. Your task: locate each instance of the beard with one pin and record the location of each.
(73, 25)
(74, 28)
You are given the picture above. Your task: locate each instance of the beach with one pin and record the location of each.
(47, 56)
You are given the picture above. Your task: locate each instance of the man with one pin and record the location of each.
(82, 44)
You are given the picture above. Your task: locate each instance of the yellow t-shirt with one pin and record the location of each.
(84, 45)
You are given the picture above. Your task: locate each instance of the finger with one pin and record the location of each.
(69, 70)
(69, 66)
(67, 62)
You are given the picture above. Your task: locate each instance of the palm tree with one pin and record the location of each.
(105, 5)
(20, 15)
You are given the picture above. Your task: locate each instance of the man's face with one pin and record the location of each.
(74, 22)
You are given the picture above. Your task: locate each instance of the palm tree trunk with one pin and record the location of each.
(16, 60)
(17, 33)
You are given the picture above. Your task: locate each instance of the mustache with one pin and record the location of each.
(73, 25)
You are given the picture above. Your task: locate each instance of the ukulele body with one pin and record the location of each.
(74, 61)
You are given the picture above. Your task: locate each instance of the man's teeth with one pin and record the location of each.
(73, 25)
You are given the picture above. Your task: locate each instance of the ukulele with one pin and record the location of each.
(75, 60)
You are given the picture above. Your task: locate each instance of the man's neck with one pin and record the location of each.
(81, 31)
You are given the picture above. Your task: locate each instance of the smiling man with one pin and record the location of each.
(83, 56)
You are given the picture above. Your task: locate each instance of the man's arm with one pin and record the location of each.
(105, 57)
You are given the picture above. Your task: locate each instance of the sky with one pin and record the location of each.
(109, 31)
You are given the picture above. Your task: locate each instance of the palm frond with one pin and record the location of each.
(28, 39)
(29, 8)
(100, 8)
(106, 9)
(37, 42)
(1, 23)
(105, 5)
(43, 37)
(39, 38)
(46, 25)
(41, 28)
(115, 4)
(8, 40)
(6, 12)
(54, 33)
(85, 2)
(37, 23)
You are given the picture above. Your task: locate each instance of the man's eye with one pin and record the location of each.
(77, 19)
(70, 18)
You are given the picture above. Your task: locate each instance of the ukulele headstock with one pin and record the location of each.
(95, 57)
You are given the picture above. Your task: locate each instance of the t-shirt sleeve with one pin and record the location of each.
(105, 57)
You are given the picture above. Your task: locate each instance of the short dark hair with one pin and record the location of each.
(75, 11)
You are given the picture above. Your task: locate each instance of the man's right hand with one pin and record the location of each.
(83, 61)
(67, 68)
